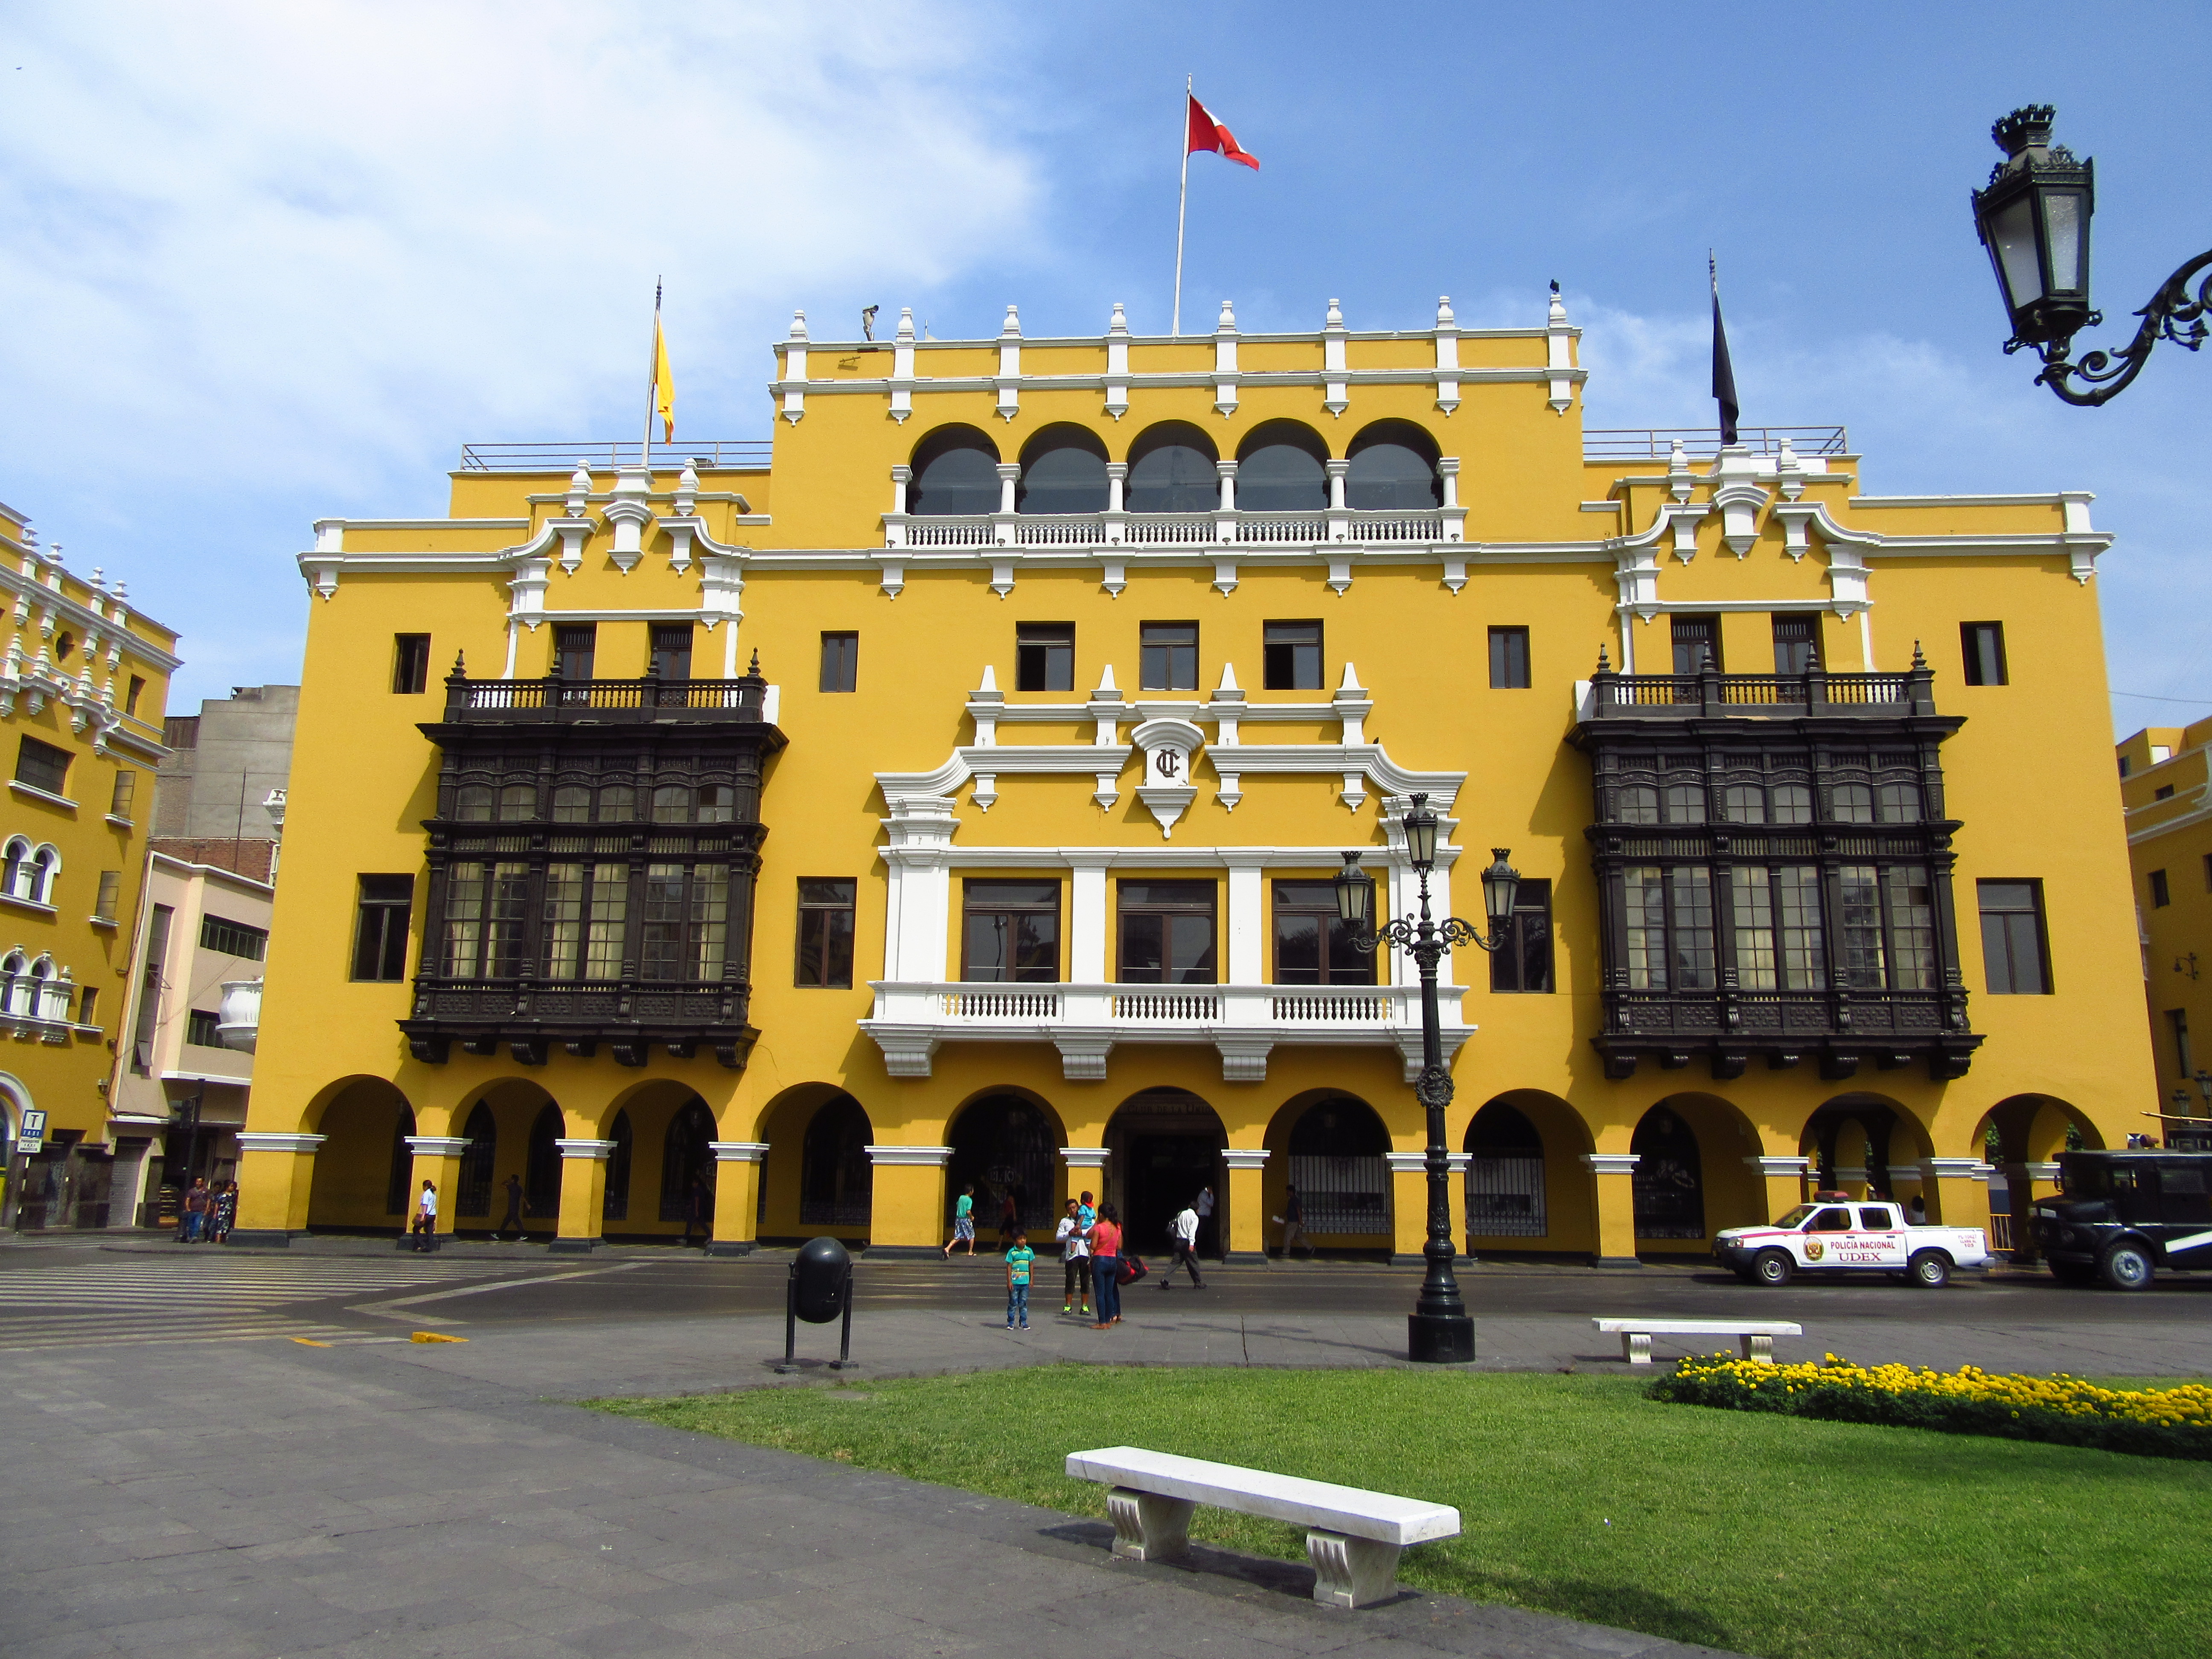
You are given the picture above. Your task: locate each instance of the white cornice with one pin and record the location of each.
(82, 615)
(1204, 379)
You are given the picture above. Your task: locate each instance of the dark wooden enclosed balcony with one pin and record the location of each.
(1840, 1028)
(1712, 694)
(529, 1017)
(553, 700)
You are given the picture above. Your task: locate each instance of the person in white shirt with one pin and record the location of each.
(1183, 1232)
(1075, 1258)
(426, 1219)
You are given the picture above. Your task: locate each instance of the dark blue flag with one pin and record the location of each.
(1724, 371)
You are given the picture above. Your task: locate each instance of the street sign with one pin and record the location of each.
(32, 1141)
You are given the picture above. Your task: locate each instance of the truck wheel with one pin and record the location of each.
(1773, 1268)
(2125, 1267)
(1929, 1270)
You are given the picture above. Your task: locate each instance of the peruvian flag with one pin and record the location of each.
(1208, 134)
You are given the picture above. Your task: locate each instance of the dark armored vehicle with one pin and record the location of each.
(2119, 1217)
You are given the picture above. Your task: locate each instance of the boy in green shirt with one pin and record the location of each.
(964, 1221)
(1018, 1260)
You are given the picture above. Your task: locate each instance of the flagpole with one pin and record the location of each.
(652, 379)
(1181, 201)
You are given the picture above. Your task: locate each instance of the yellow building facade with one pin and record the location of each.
(2166, 782)
(84, 677)
(947, 794)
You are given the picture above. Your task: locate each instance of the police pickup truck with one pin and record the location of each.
(1833, 1234)
(2119, 1217)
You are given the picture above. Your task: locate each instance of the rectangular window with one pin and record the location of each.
(1864, 964)
(1796, 638)
(686, 921)
(2161, 895)
(1167, 657)
(233, 938)
(202, 1029)
(2164, 792)
(825, 932)
(1911, 899)
(1010, 932)
(150, 990)
(575, 650)
(1167, 933)
(2014, 953)
(1312, 945)
(585, 906)
(1695, 638)
(87, 999)
(2177, 1024)
(1691, 958)
(487, 915)
(1045, 656)
(1751, 908)
(109, 895)
(43, 766)
(841, 662)
(130, 697)
(125, 793)
(1982, 644)
(379, 931)
(671, 651)
(410, 664)
(1508, 658)
(2207, 872)
(1292, 654)
(1644, 909)
(1798, 907)
(1743, 802)
(1523, 962)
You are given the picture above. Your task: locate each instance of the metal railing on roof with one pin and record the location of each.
(605, 455)
(1657, 442)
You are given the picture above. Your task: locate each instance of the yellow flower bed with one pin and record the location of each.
(2174, 1422)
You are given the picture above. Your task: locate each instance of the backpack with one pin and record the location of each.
(1133, 1269)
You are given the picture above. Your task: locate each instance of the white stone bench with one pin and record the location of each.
(1755, 1336)
(1352, 1536)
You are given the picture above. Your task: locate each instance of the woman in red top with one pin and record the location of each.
(1106, 1265)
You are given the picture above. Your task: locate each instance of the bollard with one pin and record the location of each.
(819, 1289)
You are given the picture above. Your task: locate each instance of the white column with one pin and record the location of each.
(1247, 918)
(1087, 918)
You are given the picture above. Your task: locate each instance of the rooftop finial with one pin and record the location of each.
(1444, 318)
(1335, 317)
(1557, 309)
(798, 327)
(905, 336)
(754, 671)
(1919, 661)
(1013, 326)
(1604, 661)
(1119, 322)
(1227, 323)
(460, 664)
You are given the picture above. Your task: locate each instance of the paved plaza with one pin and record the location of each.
(186, 1478)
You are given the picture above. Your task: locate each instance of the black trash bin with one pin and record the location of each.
(819, 1290)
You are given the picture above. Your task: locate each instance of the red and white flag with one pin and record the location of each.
(1208, 134)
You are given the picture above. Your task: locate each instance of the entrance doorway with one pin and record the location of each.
(1165, 1146)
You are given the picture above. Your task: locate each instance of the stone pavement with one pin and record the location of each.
(264, 1500)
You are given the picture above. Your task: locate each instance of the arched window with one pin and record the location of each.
(1171, 470)
(1394, 470)
(474, 1197)
(616, 1206)
(687, 1153)
(671, 804)
(1639, 803)
(472, 802)
(46, 864)
(1279, 469)
(518, 802)
(541, 1173)
(15, 986)
(956, 472)
(1002, 1144)
(1668, 1183)
(572, 804)
(1063, 471)
(1854, 803)
(15, 873)
(52, 1000)
(718, 803)
(836, 1178)
(401, 1176)
(1337, 1163)
(1505, 1176)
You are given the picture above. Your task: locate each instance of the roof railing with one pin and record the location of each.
(605, 455)
(1656, 443)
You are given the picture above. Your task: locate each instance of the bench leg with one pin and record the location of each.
(1636, 1347)
(1147, 1527)
(1351, 1572)
(1760, 1348)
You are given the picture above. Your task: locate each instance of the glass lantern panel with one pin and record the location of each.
(2067, 227)
(2013, 229)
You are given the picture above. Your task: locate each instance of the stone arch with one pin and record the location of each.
(1163, 1145)
(360, 1120)
(1007, 1140)
(956, 472)
(541, 1182)
(1517, 1202)
(687, 1158)
(512, 1109)
(1063, 471)
(616, 1205)
(1282, 466)
(1864, 1144)
(1172, 470)
(2029, 1132)
(1334, 1146)
(1692, 1179)
(836, 1177)
(1394, 469)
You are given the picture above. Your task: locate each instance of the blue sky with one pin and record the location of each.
(263, 264)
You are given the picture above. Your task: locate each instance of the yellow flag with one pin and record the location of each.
(664, 383)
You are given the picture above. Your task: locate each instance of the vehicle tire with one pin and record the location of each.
(2073, 1273)
(2125, 1266)
(1773, 1268)
(1929, 1270)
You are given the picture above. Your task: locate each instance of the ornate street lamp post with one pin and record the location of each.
(2033, 218)
(1439, 1330)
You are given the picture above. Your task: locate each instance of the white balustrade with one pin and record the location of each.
(1176, 529)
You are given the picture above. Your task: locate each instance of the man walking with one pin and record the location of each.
(426, 1219)
(196, 1210)
(1182, 1231)
(513, 1217)
(1294, 1218)
(1075, 1258)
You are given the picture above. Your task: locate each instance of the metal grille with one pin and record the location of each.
(1505, 1197)
(1343, 1195)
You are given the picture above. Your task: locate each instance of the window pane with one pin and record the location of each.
(464, 895)
(1862, 961)
(564, 919)
(472, 802)
(618, 803)
(1508, 658)
(718, 803)
(1389, 476)
(959, 479)
(832, 893)
(1804, 952)
(1297, 948)
(1752, 901)
(506, 920)
(518, 802)
(1168, 657)
(603, 957)
(1854, 803)
(572, 804)
(1173, 478)
(1282, 478)
(1695, 638)
(1644, 909)
(710, 919)
(996, 895)
(1900, 803)
(1142, 940)
(841, 662)
(1044, 657)
(1686, 803)
(1640, 805)
(1793, 804)
(1293, 661)
(989, 955)
(1190, 949)
(1066, 477)
(1795, 637)
(671, 804)
(1690, 895)
(1745, 803)
(1037, 945)
(1168, 895)
(660, 955)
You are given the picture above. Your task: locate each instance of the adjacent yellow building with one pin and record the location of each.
(2166, 781)
(82, 680)
(779, 838)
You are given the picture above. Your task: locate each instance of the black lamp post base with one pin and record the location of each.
(1439, 1339)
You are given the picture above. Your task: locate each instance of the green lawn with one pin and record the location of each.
(1772, 1536)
